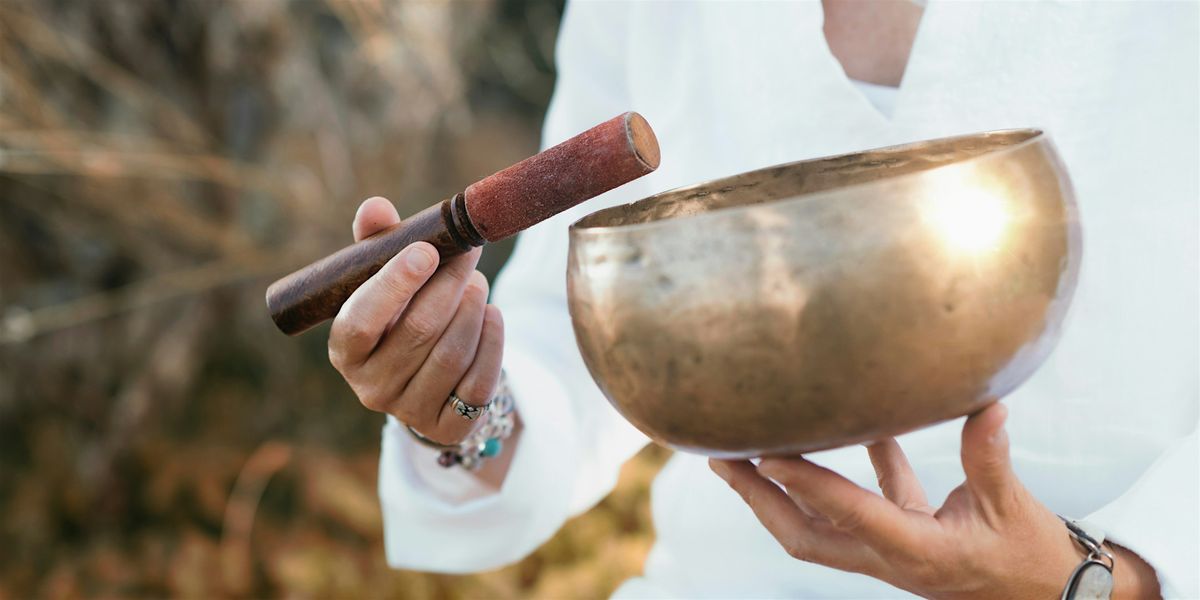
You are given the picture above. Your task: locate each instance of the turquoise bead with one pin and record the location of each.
(491, 447)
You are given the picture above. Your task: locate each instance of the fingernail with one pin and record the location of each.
(419, 260)
(720, 468)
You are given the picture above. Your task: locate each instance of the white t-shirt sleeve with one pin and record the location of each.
(572, 443)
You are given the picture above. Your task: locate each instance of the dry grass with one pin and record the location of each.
(160, 163)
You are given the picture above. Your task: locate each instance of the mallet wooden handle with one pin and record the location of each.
(606, 156)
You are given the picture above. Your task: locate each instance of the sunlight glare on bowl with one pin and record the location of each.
(968, 214)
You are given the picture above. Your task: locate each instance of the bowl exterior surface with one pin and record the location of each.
(828, 302)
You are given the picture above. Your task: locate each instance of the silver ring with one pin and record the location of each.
(465, 410)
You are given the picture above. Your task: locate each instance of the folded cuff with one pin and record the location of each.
(444, 520)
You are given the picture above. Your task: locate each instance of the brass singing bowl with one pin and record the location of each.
(828, 302)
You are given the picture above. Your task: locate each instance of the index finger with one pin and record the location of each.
(861, 513)
(804, 537)
(366, 315)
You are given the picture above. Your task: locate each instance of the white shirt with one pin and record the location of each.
(1105, 430)
(882, 97)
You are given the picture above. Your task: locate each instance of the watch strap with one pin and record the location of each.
(1093, 578)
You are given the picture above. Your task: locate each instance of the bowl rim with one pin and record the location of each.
(1034, 136)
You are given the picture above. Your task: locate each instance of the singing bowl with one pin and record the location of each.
(828, 302)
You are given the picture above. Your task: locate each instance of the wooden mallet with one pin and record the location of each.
(608, 155)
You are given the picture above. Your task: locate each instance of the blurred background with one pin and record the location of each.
(161, 161)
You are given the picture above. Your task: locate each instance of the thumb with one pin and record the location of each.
(985, 458)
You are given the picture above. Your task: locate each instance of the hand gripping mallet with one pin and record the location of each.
(606, 156)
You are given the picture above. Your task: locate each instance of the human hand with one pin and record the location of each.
(412, 335)
(990, 539)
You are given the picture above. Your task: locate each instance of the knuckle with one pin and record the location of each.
(922, 571)
(750, 495)
(354, 332)
(348, 332)
(373, 401)
(462, 268)
(739, 485)
(493, 326)
(478, 282)
(406, 413)
(774, 470)
(883, 480)
(850, 520)
(475, 294)
(340, 359)
(475, 394)
(995, 464)
(420, 329)
(448, 357)
(797, 549)
(397, 283)
(337, 359)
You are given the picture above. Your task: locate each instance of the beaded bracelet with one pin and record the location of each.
(486, 441)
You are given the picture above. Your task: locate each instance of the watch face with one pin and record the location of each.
(1091, 581)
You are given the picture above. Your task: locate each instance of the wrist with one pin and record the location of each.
(493, 472)
(1132, 576)
(488, 449)
(1127, 575)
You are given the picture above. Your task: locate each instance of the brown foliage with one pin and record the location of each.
(160, 163)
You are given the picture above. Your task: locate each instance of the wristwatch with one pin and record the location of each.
(1093, 578)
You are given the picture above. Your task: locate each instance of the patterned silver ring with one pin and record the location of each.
(465, 410)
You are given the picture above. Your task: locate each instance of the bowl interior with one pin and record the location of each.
(791, 180)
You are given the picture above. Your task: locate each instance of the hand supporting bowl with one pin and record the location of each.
(832, 301)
